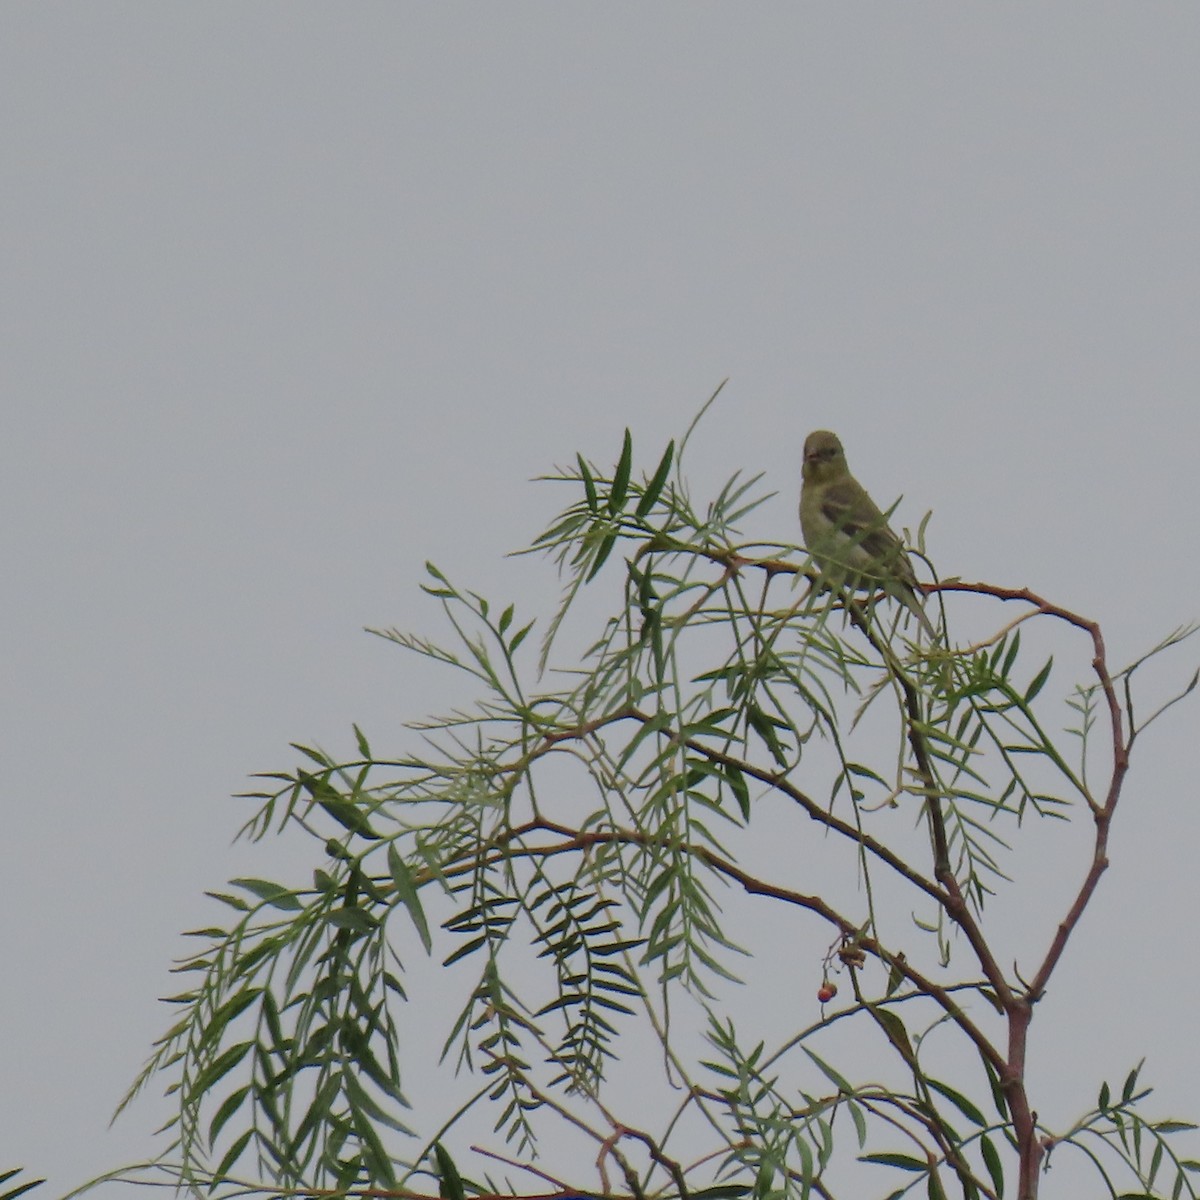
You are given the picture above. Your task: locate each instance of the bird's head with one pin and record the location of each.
(824, 457)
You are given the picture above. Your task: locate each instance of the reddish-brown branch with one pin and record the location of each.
(1103, 815)
(1020, 1008)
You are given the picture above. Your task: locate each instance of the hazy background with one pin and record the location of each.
(295, 297)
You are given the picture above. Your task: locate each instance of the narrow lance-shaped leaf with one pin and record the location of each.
(406, 889)
(620, 483)
(959, 1101)
(589, 484)
(605, 549)
(233, 1153)
(991, 1160)
(229, 1106)
(343, 811)
(450, 1184)
(20, 1189)
(655, 486)
(1039, 680)
(220, 1066)
(902, 1162)
(273, 893)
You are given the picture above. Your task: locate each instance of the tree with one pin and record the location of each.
(742, 776)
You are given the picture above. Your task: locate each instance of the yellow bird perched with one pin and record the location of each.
(845, 532)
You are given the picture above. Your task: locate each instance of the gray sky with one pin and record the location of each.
(297, 296)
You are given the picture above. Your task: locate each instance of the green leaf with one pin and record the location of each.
(232, 1007)
(366, 1104)
(861, 772)
(233, 1154)
(336, 850)
(519, 637)
(655, 486)
(338, 807)
(620, 483)
(860, 1122)
(658, 722)
(605, 549)
(353, 919)
(589, 484)
(1010, 657)
(406, 889)
(229, 1106)
(270, 1012)
(1039, 680)
(959, 1101)
(991, 1160)
(450, 1184)
(273, 893)
(902, 1162)
(737, 785)
(1155, 1161)
(220, 1066)
(840, 1082)
(765, 727)
(710, 723)
(462, 952)
(22, 1188)
(893, 1026)
(375, 1157)
(318, 756)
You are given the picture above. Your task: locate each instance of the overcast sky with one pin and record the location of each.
(296, 296)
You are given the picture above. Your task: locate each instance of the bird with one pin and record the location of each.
(845, 532)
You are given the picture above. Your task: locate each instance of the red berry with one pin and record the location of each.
(827, 992)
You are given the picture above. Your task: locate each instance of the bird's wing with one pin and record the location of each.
(848, 508)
